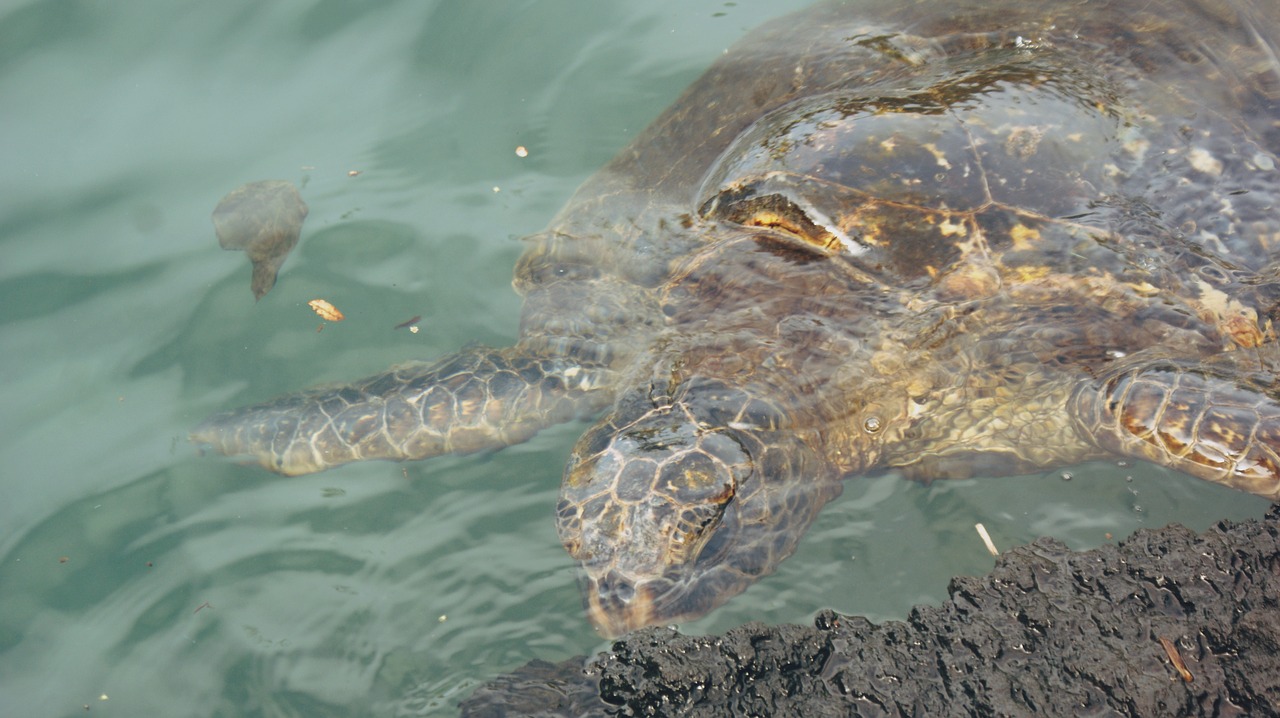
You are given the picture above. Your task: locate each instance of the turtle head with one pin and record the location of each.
(671, 513)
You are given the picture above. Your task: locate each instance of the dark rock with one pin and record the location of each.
(1049, 632)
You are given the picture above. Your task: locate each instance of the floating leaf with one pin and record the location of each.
(327, 311)
(264, 219)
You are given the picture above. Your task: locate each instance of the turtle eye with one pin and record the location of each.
(776, 212)
(695, 527)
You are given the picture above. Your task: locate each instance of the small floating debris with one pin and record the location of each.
(264, 219)
(353, 173)
(409, 324)
(521, 151)
(986, 539)
(327, 311)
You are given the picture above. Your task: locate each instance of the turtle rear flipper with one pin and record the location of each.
(1203, 420)
(477, 399)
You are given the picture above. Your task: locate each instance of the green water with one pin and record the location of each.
(138, 578)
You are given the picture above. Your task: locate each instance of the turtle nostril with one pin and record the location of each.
(618, 604)
(615, 589)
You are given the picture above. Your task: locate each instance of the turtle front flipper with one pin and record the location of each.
(477, 399)
(1207, 421)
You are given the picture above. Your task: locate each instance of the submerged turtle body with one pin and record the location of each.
(940, 237)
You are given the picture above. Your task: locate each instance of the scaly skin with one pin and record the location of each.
(478, 399)
(945, 237)
(1216, 425)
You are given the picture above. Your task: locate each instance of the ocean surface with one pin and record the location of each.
(138, 578)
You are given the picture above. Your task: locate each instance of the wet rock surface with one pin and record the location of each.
(1048, 632)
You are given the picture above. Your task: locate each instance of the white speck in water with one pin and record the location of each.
(1066, 476)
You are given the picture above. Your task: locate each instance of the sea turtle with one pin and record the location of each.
(935, 236)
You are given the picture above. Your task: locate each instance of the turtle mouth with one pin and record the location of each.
(617, 604)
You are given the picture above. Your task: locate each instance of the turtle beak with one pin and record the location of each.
(617, 605)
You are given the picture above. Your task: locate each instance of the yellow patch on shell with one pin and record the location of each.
(949, 228)
(938, 155)
(866, 229)
(1028, 273)
(1023, 236)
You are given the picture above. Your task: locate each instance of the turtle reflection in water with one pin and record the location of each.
(938, 237)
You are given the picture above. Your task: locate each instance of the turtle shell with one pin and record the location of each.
(937, 237)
